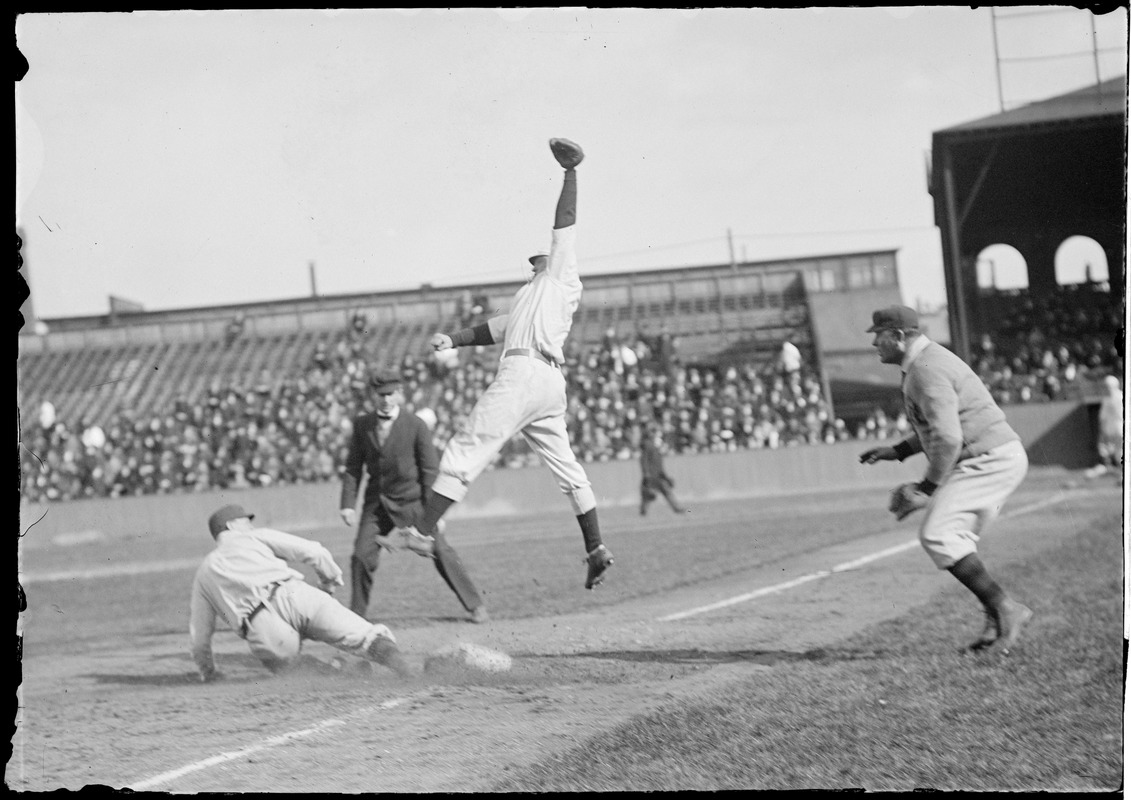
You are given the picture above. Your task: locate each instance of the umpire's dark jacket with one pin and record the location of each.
(401, 471)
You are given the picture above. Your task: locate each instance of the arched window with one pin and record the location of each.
(1001, 266)
(1080, 259)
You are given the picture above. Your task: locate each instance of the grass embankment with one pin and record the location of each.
(891, 709)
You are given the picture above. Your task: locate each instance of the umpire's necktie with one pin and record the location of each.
(383, 426)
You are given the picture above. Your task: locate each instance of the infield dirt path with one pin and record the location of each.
(126, 717)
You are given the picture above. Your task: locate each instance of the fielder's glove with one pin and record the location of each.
(906, 499)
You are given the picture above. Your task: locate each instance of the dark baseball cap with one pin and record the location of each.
(385, 382)
(894, 318)
(219, 520)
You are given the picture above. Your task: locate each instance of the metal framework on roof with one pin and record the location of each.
(1031, 177)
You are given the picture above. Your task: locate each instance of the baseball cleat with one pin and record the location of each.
(480, 615)
(567, 153)
(598, 562)
(1011, 618)
(385, 652)
(988, 636)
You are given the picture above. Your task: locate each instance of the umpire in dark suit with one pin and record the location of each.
(394, 448)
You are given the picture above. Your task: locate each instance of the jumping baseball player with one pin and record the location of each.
(975, 461)
(528, 392)
(395, 451)
(247, 582)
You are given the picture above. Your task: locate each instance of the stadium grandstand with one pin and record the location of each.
(251, 394)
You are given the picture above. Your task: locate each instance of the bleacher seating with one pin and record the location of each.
(152, 390)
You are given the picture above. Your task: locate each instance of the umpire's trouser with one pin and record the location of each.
(375, 521)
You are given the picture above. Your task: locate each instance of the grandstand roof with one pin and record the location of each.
(1030, 177)
(1106, 99)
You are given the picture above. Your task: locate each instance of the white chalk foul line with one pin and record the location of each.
(110, 571)
(842, 567)
(266, 744)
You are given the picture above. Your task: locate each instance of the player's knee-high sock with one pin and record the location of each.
(566, 212)
(972, 574)
(434, 508)
(590, 530)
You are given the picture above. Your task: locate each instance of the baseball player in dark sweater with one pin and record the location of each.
(975, 461)
(394, 449)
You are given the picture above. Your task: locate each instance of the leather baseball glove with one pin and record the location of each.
(906, 499)
(567, 153)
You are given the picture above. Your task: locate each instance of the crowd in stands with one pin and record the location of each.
(296, 430)
(1055, 347)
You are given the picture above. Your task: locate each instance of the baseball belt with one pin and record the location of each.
(530, 353)
(262, 605)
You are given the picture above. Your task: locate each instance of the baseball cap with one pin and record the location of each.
(897, 318)
(539, 254)
(219, 520)
(385, 382)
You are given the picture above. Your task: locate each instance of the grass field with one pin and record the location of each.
(853, 679)
(889, 710)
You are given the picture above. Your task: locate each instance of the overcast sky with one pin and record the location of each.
(198, 158)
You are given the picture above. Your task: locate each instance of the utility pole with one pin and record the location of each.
(730, 244)
(997, 60)
(313, 281)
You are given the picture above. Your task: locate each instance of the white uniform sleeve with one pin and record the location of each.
(202, 624)
(563, 255)
(294, 548)
(498, 327)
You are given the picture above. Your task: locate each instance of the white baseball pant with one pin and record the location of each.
(527, 396)
(970, 498)
(300, 611)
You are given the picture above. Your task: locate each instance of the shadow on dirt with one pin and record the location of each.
(763, 657)
(177, 679)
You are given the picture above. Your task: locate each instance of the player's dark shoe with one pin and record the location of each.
(1011, 618)
(598, 562)
(384, 651)
(567, 153)
(988, 636)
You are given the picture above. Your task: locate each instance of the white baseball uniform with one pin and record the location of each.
(246, 581)
(528, 392)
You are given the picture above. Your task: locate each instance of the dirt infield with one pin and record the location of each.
(116, 705)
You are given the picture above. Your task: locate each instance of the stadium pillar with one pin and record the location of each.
(952, 261)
